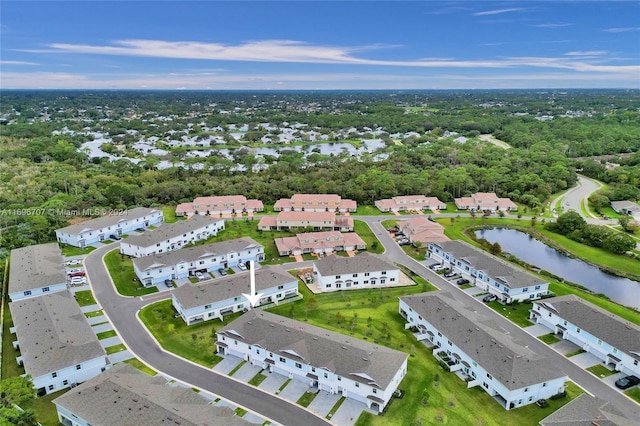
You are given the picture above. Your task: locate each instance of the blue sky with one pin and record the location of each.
(319, 44)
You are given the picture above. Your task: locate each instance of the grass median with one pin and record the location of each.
(120, 268)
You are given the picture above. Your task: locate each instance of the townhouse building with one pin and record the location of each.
(220, 205)
(315, 203)
(173, 236)
(323, 359)
(485, 202)
(611, 339)
(403, 203)
(317, 221)
(587, 410)
(211, 299)
(492, 274)
(36, 270)
(120, 222)
(177, 264)
(421, 229)
(319, 243)
(57, 347)
(124, 395)
(366, 270)
(505, 368)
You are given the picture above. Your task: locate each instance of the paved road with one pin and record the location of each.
(122, 312)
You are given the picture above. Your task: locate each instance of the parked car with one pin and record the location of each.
(73, 262)
(394, 230)
(199, 275)
(462, 281)
(627, 382)
(115, 237)
(78, 280)
(450, 274)
(542, 403)
(222, 271)
(439, 267)
(74, 270)
(489, 298)
(242, 266)
(168, 283)
(77, 274)
(140, 229)
(403, 242)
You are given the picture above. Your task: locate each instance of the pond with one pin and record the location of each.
(534, 252)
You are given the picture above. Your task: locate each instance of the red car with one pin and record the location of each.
(77, 274)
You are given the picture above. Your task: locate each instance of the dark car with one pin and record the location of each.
(462, 281)
(168, 283)
(115, 237)
(489, 298)
(450, 274)
(222, 271)
(627, 382)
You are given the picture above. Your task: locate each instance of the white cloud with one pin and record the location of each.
(17, 63)
(550, 25)
(498, 11)
(622, 30)
(587, 53)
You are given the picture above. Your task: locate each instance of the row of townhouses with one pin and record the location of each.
(483, 354)
(315, 203)
(420, 229)
(318, 221)
(172, 236)
(611, 339)
(490, 273)
(222, 205)
(213, 299)
(176, 264)
(335, 273)
(121, 222)
(485, 202)
(319, 243)
(36, 270)
(123, 395)
(323, 359)
(58, 348)
(405, 203)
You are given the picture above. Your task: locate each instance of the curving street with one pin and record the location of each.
(122, 312)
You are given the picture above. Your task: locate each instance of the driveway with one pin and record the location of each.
(227, 364)
(474, 291)
(585, 360)
(537, 330)
(348, 412)
(102, 328)
(246, 372)
(323, 403)
(294, 390)
(273, 382)
(565, 347)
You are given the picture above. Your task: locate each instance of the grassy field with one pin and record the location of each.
(85, 298)
(10, 367)
(369, 211)
(372, 315)
(373, 244)
(601, 371)
(518, 313)
(634, 394)
(195, 343)
(121, 270)
(46, 413)
(76, 251)
(169, 213)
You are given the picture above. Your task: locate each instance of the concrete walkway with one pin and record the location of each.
(323, 403)
(120, 356)
(90, 308)
(537, 330)
(102, 328)
(110, 341)
(348, 412)
(97, 320)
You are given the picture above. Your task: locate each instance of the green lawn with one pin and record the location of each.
(85, 298)
(335, 408)
(418, 253)
(76, 251)
(373, 244)
(10, 367)
(169, 213)
(369, 211)
(106, 334)
(115, 348)
(550, 338)
(574, 353)
(601, 371)
(634, 394)
(518, 313)
(140, 366)
(46, 413)
(121, 270)
(373, 315)
(195, 343)
(93, 314)
(237, 367)
(257, 379)
(306, 399)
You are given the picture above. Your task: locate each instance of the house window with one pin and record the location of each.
(45, 289)
(54, 375)
(65, 382)
(357, 384)
(635, 362)
(384, 272)
(207, 306)
(439, 334)
(366, 274)
(489, 376)
(392, 279)
(355, 275)
(235, 299)
(544, 385)
(78, 367)
(526, 289)
(374, 390)
(282, 359)
(280, 287)
(337, 276)
(615, 351)
(599, 342)
(235, 342)
(258, 351)
(366, 282)
(526, 389)
(27, 293)
(298, 365)
(577, 330)
(50, 387)
(326, 376)
(564, 322)
(339, 378)
(537, 287)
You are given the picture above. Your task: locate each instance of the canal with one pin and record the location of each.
(534, 252)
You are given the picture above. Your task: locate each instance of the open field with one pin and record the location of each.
(121, 270)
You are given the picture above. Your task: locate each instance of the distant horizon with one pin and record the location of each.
(320, 45)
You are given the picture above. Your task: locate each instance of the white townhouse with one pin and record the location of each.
(36, 270)
(95, 230)
(505, 368)
(171, 236)
(177, 264)
(366, 270)
(216, 298)
(614, 341)
(323, 359)
(57, 346)
(124, 395)
(587, 410)
(491, 274)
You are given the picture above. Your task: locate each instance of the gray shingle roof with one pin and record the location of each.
(124, 395)
(192, 295)
(587, 410)
(345, 356)
(494, 267)
(364, 262)
(191, 254)
(36, 267)
(53, 333)
(604, 325)
(105, 221)
(480, 337)
(170, 230)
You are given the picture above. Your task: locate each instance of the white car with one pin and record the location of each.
(73, 262)
(242, 266)
(200, 276)
(78, 280)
